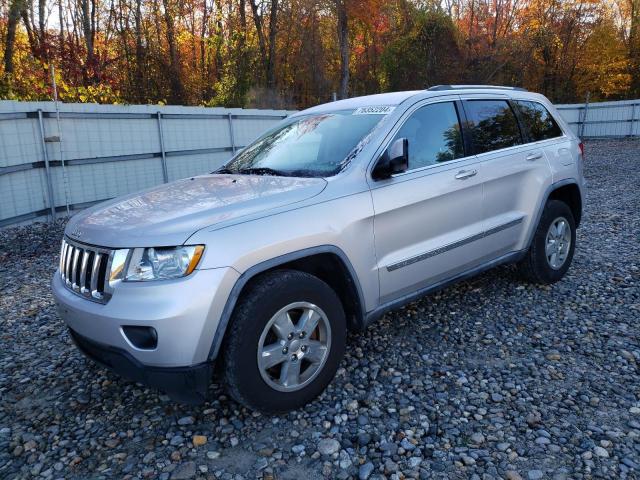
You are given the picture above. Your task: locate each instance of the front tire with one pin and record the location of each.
(285, 342)
(552, 247)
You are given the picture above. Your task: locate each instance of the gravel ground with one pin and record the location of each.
(492, 378)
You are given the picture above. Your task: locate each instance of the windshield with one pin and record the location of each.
(317, 145)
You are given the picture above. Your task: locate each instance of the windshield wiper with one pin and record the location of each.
(305, 172)
(262, 171)
(223, 170)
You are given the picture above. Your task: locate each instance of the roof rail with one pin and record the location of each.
(439, 88)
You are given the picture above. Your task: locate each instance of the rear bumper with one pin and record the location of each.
(182, 384)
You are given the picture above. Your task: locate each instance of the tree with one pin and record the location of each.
(175, 71)
(343, 42)
(15, 9)
(296, 53)
(427, 54)
(634, 46)
(267, 42)
(604, 69)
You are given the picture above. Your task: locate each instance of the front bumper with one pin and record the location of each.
(185, 314)
(182, 384)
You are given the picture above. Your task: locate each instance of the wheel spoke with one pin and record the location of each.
(558, 242)
(561, 228)
(550, 248)
(283, 326)
(294, 346)
(316, 351)
(308, 321)
(271, 355)
(290, 374)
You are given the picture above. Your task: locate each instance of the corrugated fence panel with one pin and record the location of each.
(111, 150)
(195, 133)
(20, 141)
(603, 119)
(22, 193)
(102, 137)
(181, 167)
(100, 181)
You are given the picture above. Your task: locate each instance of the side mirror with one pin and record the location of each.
(394, 160)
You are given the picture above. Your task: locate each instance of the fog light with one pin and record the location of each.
(144, 338)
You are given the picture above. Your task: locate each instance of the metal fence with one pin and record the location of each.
(603, 119)
(54, 161)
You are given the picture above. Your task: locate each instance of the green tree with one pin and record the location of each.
(427, 54)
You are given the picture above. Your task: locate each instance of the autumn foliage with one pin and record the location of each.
(296, 53)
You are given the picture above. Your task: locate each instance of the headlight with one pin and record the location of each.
(162, 263)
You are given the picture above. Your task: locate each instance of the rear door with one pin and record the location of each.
(428, 219)
(543, 130)
(516, 172)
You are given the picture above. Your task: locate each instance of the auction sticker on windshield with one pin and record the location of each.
(379, 110)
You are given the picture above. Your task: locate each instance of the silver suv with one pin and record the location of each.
(327, 221)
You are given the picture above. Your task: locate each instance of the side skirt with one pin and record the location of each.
(374, 315)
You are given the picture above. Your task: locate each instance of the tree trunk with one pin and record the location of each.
(12, 24)
(177, 89)
(204, 68)
(141, 91)
(273, 31)
(343, 42)
(262, 42)
(634, 48)
(61, 32)
(88, 34)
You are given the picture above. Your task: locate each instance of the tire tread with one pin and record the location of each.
(534, 267)
(249, 302)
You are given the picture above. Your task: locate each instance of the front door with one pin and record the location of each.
(428, 219)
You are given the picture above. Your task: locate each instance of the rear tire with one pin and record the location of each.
(552, 246)
(269, 328)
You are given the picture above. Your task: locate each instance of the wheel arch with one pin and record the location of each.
(561, 190)
(327, 262)
(569, 193)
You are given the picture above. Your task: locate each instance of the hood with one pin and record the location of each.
(169, 214)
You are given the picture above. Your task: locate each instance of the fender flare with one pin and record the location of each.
(550, 189)
(261, 267)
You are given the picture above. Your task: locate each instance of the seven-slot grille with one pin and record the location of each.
(84, 270)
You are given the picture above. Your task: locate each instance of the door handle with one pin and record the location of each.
(463, 174)
(533, 156)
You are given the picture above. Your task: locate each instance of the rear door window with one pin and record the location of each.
(434, 135)
(492, 125)
(538, 121)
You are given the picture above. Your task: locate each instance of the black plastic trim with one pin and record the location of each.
(464, 129)
(182, 384)
(550, 189)
(375, 314)
(269, 264)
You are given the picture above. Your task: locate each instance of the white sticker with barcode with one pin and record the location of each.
(377, 110)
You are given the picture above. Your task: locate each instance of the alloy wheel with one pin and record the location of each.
(558, 243)
(294, 346)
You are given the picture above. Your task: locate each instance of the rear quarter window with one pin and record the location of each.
(537, 120)
(492, 124)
